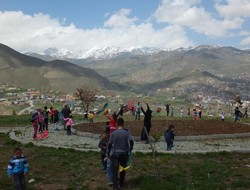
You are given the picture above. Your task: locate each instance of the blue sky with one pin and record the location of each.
(83, 25)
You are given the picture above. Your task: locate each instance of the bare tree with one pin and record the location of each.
(86, 95)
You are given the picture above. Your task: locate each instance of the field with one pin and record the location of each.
(69, 169)
(59, 169)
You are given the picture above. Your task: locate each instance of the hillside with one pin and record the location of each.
(223, 61)
(30, 72)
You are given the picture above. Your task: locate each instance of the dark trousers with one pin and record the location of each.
(68, 130)
(170, 144)
(144, 136)
(45, 124)
(19, 180)
(40, 126)
(116, 160)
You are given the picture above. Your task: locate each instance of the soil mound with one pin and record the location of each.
(182, 127)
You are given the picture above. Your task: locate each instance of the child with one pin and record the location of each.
(103, 146)
(34, 121)
(109, 171)
(195, 114)
(18, 168)
(69, 123)
(169, 137)
(40, 121)
(222, 116)
(91, 117)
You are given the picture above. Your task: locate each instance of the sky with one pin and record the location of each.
(82, 25)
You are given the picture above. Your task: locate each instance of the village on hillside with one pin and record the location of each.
(16, 100)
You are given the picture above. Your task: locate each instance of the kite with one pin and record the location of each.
(121, 168)
(104, 110)
(43, 135)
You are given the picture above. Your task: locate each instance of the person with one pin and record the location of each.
(172, 111)
(200, 111)
(119, 145)
(137, 111)
(181, 111)
(222, 115)
(56, 116)
(91, 117)
(34, 121)
(69, 123)
(65, 112)
(85, 115)
(18, 168)
(51, 112)
(40, 121)
(45, 118)
(103, 143)
(188, 112)
(112, 123)
(195, 114)
(109, 171)
(167, 108)
(237, 114)
(146, 124)
(169, 137)
(245, 113)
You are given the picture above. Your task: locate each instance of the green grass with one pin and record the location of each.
(69, 169)
(15, 120)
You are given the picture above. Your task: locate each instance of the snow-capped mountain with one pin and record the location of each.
(101, 53)
(109, 52)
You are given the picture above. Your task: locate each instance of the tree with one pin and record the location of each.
(86, 95)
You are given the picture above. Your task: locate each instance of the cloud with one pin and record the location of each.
(234, 8)
(38, 32)
(190, 13)
(120, 19)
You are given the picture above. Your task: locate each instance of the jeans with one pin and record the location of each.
(237, 118)
(19, 180)
(109, 171)
(137, 115)
(170, 144)
(116, 160)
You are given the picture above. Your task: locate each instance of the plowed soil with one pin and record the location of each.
(182, 127)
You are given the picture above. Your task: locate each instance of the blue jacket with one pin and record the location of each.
(17, 165)
(169, 135)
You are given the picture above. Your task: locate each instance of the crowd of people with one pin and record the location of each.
(116, 142)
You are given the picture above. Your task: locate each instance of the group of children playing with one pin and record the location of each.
(41, 119)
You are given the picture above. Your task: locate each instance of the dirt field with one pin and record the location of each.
(182, 127)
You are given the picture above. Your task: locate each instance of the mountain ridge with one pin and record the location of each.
(33, 72)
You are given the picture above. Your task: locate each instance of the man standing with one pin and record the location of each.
(119, 146)
(167, 108)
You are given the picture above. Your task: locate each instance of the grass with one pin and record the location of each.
(69, 169)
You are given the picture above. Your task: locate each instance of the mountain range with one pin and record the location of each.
(31, 72)
(203, 69)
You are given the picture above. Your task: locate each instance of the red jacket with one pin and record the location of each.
(112, 124)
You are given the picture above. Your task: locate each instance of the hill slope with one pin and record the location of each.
(30, 72)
